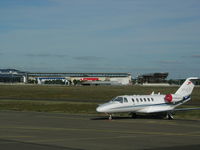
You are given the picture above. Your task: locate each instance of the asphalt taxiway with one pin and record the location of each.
(57, 131)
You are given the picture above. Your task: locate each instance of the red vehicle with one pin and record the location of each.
(89, 79)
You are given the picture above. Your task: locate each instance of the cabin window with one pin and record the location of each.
(141, 99)
(125, 100)
(137, 99)
(133, 100)
(148, 99)
(152, 99)
(145, 99)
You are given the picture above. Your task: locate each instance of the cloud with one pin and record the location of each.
(1, 52)
(89, 58)
(47, 55)
(196, 56)
(168, 62)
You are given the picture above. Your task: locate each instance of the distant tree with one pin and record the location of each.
(77, 82)
(74, 82)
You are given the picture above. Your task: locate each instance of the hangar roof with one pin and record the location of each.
(79, 74)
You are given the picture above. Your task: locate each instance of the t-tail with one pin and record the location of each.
(187, 87)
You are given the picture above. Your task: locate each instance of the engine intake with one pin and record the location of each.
(169, 98)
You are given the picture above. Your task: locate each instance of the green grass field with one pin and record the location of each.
(77, 99)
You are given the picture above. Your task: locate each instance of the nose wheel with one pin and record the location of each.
(110, 117)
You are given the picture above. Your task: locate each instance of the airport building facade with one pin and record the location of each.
(16, 76)
(82, 78)
(12, 76)
(153, 78)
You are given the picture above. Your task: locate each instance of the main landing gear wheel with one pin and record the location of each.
(133, 115)
(169, 116)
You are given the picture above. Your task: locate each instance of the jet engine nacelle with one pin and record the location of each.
(171, 98)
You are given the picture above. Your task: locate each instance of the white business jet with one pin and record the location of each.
(150, 104)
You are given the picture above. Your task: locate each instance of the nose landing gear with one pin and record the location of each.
(110, 117)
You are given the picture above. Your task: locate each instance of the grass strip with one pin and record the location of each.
(48, 106)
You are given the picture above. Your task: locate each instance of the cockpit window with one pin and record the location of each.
(118, 99)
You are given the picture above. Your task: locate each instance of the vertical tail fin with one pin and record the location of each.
(187, 87)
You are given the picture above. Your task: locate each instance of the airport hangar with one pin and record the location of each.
(83, 78)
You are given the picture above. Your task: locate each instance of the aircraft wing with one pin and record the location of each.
(168, 110)
(186, 109)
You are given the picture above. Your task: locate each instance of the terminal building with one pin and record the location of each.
(82, 78)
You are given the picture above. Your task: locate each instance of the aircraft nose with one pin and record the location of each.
(99, 109)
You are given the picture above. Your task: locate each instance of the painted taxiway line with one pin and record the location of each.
(98, 130)
(160, 122)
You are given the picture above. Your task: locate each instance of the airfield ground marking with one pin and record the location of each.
(12, 136)
(16, 138)
(99, 130)
(90, 138)
(165, 122)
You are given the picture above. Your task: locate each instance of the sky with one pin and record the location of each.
(135, 36)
